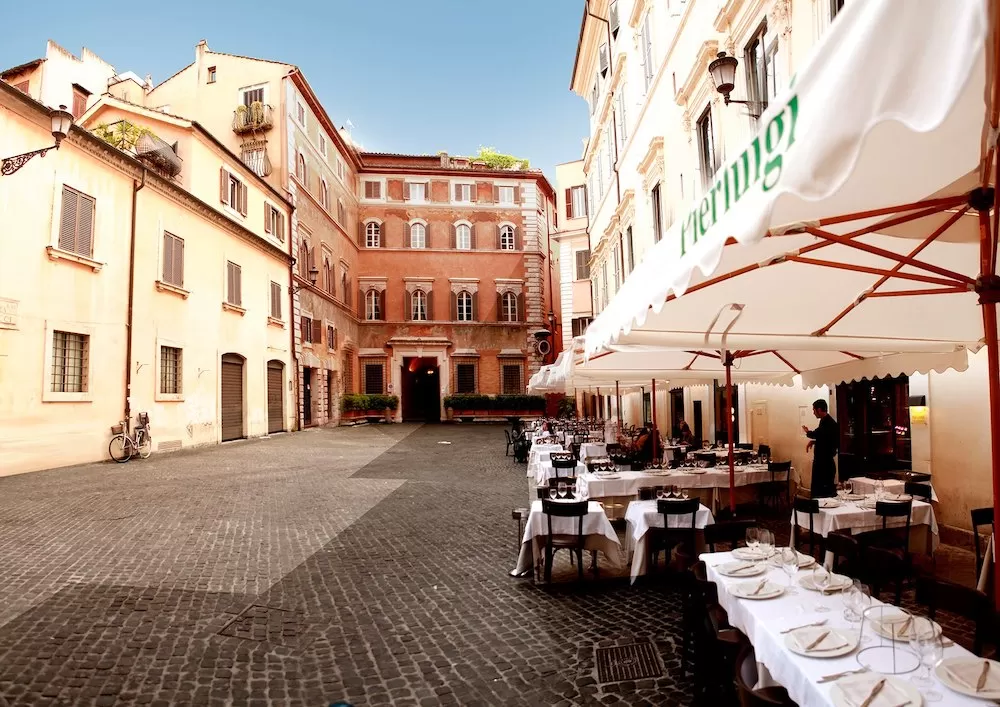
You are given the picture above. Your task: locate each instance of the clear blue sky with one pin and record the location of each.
(411, 75)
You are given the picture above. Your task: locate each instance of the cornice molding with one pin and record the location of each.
(637, 11)
(726, 14)
(698, 72)
(653, 152)
(625, 209)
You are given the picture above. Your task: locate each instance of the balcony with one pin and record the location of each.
(255, 117)
(158, 155)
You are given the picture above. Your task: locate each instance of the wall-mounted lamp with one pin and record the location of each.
(313, 277)
(61, 120)
(723, 72)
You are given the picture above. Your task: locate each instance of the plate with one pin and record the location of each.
(894, 619)
(601, 475)
(908, 691)
(743, 590)
(731, 569)
(830, 503)
(850, 642)
(838, 583)
(745, 553)
(804, 560)
(949, 680)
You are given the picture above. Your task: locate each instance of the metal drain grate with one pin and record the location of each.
(634, 661)
(266, 624)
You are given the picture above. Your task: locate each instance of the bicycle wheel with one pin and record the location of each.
(120, 448)
(144, 442)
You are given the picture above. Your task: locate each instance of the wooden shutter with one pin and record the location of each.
(361, 234)
(569, 203)
(407, 228)
(361, 303)
(68, 218)
(224, 185)
(499, 237)
(496, 194)
(499, 306)
(454, 236)
(304, 329)
(317, 331)
(430, 305)
(267, 218)
(472, 237)
(281, 228)
(407, 305)
(239, 286)
(517, 195)
(517, 238)
(457, 189)
(178, 261)
(85, 228)
(243, 199)
(229, 282)
(520, 308)
(427, 235)
(276, 300)
(475, 306)
(383, 234)
(473, 192)
(454, 307)
(168, 257)
(381, 306)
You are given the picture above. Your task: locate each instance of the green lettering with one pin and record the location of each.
(737, 192)
(772, 142)
(702, 213)
(793, 108)
(687, 227)
(715, 190)
(756, 159)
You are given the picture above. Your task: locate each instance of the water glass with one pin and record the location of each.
(849, 486)
(685, 494)
(766, 542)
(821, 581)
(562, 489)
(660, 495)
(552, 493)
(753, 538)
(789, 559)
(925, 640)
(851, 599)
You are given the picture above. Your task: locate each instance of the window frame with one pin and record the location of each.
(274, 310)
(174, 241)
(372, 305)
(87, 331)
(463, 186)
(505, 365)
(373, 235)
(236, 289)
(458, 236)
(705, 133)
(409, 192)
(418, 305)
(506, 234)
(508, 188)
(463, 300)
(413, 235)
(373, 363)
(324, 193)
(647, 50)
(581, 270)
(178, 373)
(323, 145)
(755, 61)
(212, 74)
(381, 190)
(508, 305)
(57, 222)
(656, 207)
(300, 113)
(470, 363)
(580, 189)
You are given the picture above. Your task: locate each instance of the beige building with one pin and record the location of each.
(150, 260)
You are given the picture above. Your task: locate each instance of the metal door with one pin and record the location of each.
(232, 397)
(275, 398)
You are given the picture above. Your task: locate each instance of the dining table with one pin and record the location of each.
(866, 486)
(593, 449)
(764, 622)
(640, 516)
(600, 536)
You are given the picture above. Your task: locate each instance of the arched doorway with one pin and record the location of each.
(421, 390)
(275, 396)
(232, 397)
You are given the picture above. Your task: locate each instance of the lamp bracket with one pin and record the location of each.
(9, 165)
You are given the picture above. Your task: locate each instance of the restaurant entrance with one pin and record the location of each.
(421, 390)
(874, 419)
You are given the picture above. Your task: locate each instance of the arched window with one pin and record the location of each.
(506, 238)
(328, 276)
(463, 237)
(418, 236)
(303, 259)
(464, 301)
(373, 235)
(300, 168)
(324, 194)
(372, 309)
(509, 304)
(343, 286)
(418, 306)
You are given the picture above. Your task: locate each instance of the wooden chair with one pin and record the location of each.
(810, 507)
(981, 517)
(731, 532)
(890, 538)
(776, 489)
(958, 599)
(557, 509)
(647, 493)
(846, 553)
(918, 490)
(510, 442)
(747, 678)
(883, 567)
(677, 535)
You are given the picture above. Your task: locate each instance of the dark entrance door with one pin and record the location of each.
(232, 397)
(307, 416)
(421, 384)
(874, 420)
(697, 426)
(677, 411)
(275, 398)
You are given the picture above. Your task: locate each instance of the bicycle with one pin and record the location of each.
(125, 445)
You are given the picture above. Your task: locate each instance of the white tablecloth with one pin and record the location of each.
(601, 536)
(538, 454)
(545, 471)
(762, 622)
(860, 520)
(865, 486)
(643, 515)
(593, 449)
(628, 483)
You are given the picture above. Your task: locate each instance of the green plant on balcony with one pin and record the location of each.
(496, 160)
(122, 134)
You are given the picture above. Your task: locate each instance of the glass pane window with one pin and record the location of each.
(465, 375)
(506, 195)
(418, 235)
(418, 305)
(511, 384)
(464, 302)
(507, 238)
(463, 237)
(373, 235)
(509, 303)
(170, 370)
(374, 378)
(372, 309)
(418, 191)
(578, 197)
(69, 362)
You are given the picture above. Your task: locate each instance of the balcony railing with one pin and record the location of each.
(252, 118)
(158, 154)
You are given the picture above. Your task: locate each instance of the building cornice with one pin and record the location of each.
(624, 211)
(698, 71)
(727, 12)
(638, 9)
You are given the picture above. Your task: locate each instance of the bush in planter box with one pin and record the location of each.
(505, 403)
(468, 401)
(355, 402)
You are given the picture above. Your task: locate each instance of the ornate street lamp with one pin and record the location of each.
(313, 277)
(61, 122)
(723, 72)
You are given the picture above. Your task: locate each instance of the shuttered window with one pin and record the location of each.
(463, 237)
(418, 306)
(306, 329)
(465, 377)
(173, 259)
(232, 191)
(331, 337)
(373, 305)
(234, 284)
(509, 306)
(76, 223)
(507, 238)
(464, 306)
(373, 190)
(275, 300)
(70, 353)
(374, 378)
(170, 370)
(274, 222)
(583, 265)
(511, 383)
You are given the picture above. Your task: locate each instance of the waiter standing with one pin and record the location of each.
(826, 439)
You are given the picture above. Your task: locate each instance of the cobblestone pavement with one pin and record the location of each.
(365, 564)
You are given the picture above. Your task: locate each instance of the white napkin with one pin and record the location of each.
(857, 691)
(829, 503)
(805, 636)
(750, 588)
(967, 673)
(739, 568)
(897, 626)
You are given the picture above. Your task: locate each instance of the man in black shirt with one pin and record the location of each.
(826, 439)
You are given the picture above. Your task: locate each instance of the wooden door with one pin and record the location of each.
(275, 397)
(232, 397)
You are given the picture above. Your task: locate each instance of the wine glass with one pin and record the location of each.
(562, 489)
(841, 491)
(753, 540)
(850, 597)
(789, 559)
(925, 640)
(766, 543)
(849, 487)
(685, 494)
(821, 581)
(552, 493)
(660, 494)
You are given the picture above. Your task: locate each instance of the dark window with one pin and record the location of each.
(657, 214)
(465, 378)
(79, 102)
(706, 146)
(582, 264)
(306, 329)
(756, 63)
(253, 95)
(211, 74)
(69, 362)
(170, 370)
(331, 337)
(631, 252)
(374, 376)
(580, 325)
(835, 7)
(576, 202)
(511, 383)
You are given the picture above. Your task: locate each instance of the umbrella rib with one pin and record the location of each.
(929, 205)
(928, 291)
(874, 271)
(853, 355)
(786, 362)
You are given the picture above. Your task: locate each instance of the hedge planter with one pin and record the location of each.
(469, 406)
(373, 408)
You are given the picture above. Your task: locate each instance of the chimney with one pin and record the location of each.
(200, 49)
(445, 160)
(149, 83)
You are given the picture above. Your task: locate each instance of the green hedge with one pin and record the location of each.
(359, 403)
(511, 403)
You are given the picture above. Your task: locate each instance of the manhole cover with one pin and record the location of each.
(266, 624)
(631, 662)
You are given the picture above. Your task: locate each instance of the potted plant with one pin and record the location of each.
(371, 407)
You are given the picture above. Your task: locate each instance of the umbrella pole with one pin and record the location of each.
(729, 430)
(618, 398)
(989, 293)
(656, 437)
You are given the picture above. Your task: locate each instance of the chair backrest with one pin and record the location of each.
(918, 489)
(647, 493)
(565, 509)
(614, 448)
(747, 677)
(747, 446)
(570, 481)
(893, 509)
(810, 506)
(843, 547)
(506, 433)
(727, 531)
(959, 599)
(764, 450)
(563, 462)
(778, 468)
(678, 507)
(982, 516)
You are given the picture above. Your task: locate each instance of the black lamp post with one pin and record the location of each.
(723, 72)
(313, 277)
(61, 122)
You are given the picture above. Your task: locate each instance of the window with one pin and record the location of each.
(464, 306)
(173, 259)
(254, 156)
(582, 264)
(170, 370)
(508, 305)
(374, 378)
(328, 281)
(602, 58)
(341, 211)
(322, 144)
(303, 260)
(604, 284)
(599, 172)
(211, 74)
(22, 86)
(756, 63)
(373, 309)
(70, 354)
(576, 202)
(373, 190)
(418, 235)
(507, 238)
(621, 125)
(771, 69)
(300, 168)
(506, 195)
(463, 237)
(511, 383)
(418, 191)
(331, 337)
(613, 18)
(79, 101)
(835, 7)
(418, 306)
(232, 192)
(630, 261)
(590, 193)
(593, 97)
(306, 329)
(234, 286)
(706, 146)
(76, 222)
(463, 193)
(373, 235)
(647, 49)
(252, 95)
(580, 325)
(465, 378)
(340, 168)
(324, 194)
(274, 222)
(616, 257)
(275, 300)
(657, 214)
(300, 113)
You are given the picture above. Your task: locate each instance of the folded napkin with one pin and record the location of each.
(805, 637)
(740, 568)
(756, 588)
(829, 503)
(857, 691)
(897, 626)
(748, 553)
(968, 672)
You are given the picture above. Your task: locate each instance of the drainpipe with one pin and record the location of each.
(136, 188)
(292, 323)
(548, 257)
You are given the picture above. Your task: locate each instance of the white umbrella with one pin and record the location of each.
(861, 210)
